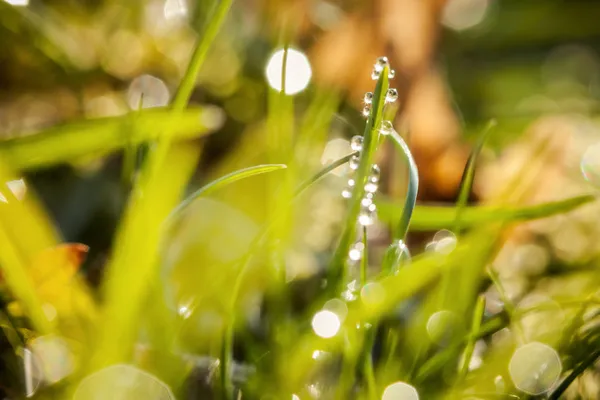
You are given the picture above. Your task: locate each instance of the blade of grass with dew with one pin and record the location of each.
(412, 189)
(466, 182)
(97, 137)
(430, 218)
(370, 142)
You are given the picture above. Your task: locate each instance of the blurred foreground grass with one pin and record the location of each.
(235, 292)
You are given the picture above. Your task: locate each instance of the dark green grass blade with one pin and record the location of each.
(97, 137)
(431, 218)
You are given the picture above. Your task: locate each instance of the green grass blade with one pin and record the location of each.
(322, 173)
(431, 218)
(564, 385)
(475, 328)
(96, 137)
(224, 181)
(370, 142)
(411, 191)
(466, 182)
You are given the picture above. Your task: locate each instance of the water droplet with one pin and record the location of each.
(175, 9)
(356, 251)
(367, 214)
(396, 256)
(590, 164)
(295, 397)
(443, 327)
(400, 390)
(375, 173)
(33, 375)
(444, 241)
(354, 162)
(347, 193)
(356, 143)
(391, 95)
(392, 74)
(368, 98)
(534, 368)
(366, 201)
(350, 294)
(122, 381)
(371, 187)
(338, 307)
(375, 74)
(326, 324)
(380, 64)
(366, 111)
(386, 128)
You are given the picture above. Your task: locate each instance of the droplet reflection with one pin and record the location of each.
(534, 368)
(53, 355)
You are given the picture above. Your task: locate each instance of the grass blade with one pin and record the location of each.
(224, 181)
(466, 182)
(412, 189)
(431, 218)
(97, 137)
(475, 328)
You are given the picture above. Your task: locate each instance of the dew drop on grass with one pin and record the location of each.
(354, 162)
(391, 95)
(534, 368)
(380, 64)
(444, 241)
(122, 381)
(400, 391)
(367, 214)
(366, 111)
(32, 374)
(375, 173)
(346, 193)
(396, 256)
(392, 74)
(356, 251)
(371, 187)
(366, 201)
(356, 143)
(368, 98)
(18, 188)
(386, 128)
(326, 324)
(590, 164)
(375, 74)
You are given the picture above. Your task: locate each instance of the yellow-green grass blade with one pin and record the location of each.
(431, 218)
(97, 137)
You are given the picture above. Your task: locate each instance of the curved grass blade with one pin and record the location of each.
(411, 191)
(564, 385)
(97, 137)
(224, 181)
(466, 182)
(430, 218)
(478, 315)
